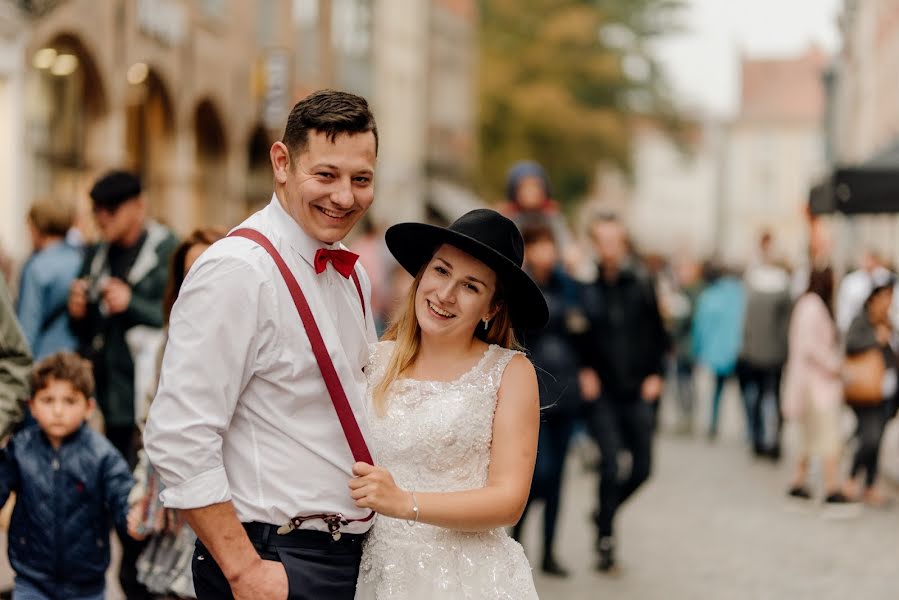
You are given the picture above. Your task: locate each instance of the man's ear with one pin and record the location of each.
(280, 157)
(91, 406)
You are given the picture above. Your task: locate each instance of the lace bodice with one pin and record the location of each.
(436, 437)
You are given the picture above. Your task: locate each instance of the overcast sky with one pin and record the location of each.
(702, 64)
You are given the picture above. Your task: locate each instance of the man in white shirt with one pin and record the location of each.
(243, 430)
(856, 286)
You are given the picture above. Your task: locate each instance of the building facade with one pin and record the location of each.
(773, 155)
(862, 128)
(12, 132)
(674, 204)
(187, 94)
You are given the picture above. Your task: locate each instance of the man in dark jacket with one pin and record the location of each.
(120, 287)
(627, 348)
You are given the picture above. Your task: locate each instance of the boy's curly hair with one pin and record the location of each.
(64, 366)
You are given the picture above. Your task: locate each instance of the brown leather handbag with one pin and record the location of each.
(863, 377)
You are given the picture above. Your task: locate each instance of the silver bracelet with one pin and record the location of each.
(414, 509)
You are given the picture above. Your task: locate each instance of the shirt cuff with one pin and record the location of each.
(202, 490)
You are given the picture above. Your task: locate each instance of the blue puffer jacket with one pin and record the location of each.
(67, 501)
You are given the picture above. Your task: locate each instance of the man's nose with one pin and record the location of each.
(343, 195)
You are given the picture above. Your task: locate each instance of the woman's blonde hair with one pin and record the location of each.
(406, 332)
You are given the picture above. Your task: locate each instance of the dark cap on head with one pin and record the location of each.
(114, 188)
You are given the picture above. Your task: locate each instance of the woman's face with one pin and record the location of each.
(455, 294)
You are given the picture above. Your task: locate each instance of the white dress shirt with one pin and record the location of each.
(242, 412)
(853, 291)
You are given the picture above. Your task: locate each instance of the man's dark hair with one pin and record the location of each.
(329, 112)
(538, 232)
(64, 366)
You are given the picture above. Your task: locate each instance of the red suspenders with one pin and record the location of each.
(335, 389)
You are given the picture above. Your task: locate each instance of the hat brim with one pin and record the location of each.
(413, 245)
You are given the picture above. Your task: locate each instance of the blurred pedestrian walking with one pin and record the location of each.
(813, 388)
(627, 348)
(46, 279)
(871, 360)
(120, 288)
(678, 299)
(718, 333)
(764, 351)
(557, 353)
(856, 286)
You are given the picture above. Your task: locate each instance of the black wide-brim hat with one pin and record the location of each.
(489, 237)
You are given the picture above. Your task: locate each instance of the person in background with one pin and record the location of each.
(855, 287)
(627, 348)
(764, 351)
(717, 333)
(120, 287)
(71, 485)
(378, 262)
(678, 299)
(15, 364)
(556, 352)
(813, 389)
(164, 565)
(529, 201)
(872, 329)
(46, 278)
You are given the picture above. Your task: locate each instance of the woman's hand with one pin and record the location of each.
(374, 488)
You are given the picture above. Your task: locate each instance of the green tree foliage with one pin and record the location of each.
(561, 82)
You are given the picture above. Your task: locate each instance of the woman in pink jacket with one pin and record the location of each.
(813, 389)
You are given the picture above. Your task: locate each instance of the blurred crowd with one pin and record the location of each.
(625, 331)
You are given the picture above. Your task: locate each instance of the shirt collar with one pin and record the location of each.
(301, 242)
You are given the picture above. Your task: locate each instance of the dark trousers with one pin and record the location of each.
(552, 448)
(872, 421)
(317, 566)
(759, 385)
(621, 424)
(717, 395)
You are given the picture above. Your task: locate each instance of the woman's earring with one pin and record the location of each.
(486, 324)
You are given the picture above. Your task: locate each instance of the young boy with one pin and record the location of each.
(71, 486)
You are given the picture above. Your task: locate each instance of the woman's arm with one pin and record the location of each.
(512, 455)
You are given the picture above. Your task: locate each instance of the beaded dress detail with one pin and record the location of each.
(436, 437)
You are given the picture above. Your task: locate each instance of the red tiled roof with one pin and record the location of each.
(784, 89)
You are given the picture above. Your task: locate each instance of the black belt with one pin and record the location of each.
(267, 535)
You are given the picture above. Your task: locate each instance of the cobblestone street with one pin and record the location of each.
(713, 523)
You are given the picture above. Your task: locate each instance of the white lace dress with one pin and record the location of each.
(436, 437)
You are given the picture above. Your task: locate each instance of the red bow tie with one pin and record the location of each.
(343, 260)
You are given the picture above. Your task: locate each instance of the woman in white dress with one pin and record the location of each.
(453, 419)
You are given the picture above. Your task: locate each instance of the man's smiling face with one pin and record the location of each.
(328, 187)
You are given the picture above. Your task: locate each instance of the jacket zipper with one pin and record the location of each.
(60, 517)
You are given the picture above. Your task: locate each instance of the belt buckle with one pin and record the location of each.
(334, 523)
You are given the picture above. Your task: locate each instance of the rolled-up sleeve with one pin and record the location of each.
(209, 358)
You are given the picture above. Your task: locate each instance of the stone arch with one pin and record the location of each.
(149, 132)
(67, 102)
(211, 193)
(259, 168)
